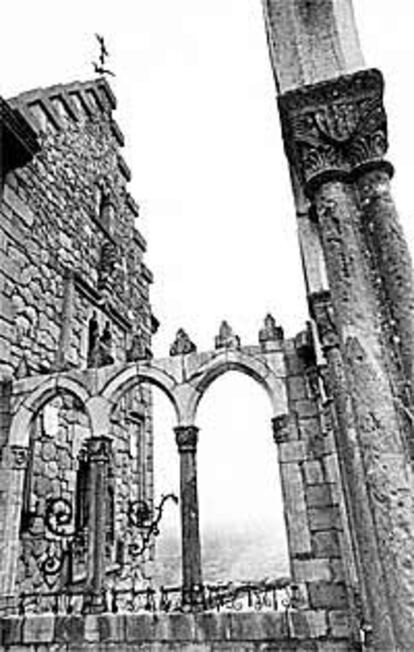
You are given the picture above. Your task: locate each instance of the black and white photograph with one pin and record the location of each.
(207, 326)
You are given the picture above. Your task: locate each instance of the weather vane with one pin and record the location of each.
(100, 68)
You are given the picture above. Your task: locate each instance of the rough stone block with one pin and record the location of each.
(21, 209)
(181, 627)
(111, 628)
(319, 495)
(39, 629)
(11, 630)
(337, 570)
(326, 595)
(212, 627)
(306, 408)
(326, 544)
(312, 570)
(324, 518)
(292, 451)
(317, 621)
(258, 626)
(69, 629)
(295, 509)
(296, 388)
(339, 623)
(313, 472)
(140, 627)
(331, 468)
(92, 628)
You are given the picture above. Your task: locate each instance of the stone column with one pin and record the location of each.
(99, 451)
(391, 258)
(187, 438)
(334, 132)
(12, 474)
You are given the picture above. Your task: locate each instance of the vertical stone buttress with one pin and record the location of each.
(335, 135)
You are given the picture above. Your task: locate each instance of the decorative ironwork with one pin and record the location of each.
(100, 67)
(267, 595)
(58, 524)
(58, 516)
(139, 515)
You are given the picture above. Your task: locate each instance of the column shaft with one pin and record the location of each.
(99, 455)
(392, 260)
(186, 438)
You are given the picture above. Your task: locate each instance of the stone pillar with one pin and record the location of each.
(335, 132)
(99, 451)
(12, 474)
(187, 438)
(391, 258)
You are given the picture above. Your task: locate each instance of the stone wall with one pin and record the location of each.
(251, 632)
(74, 293)
(319, 546)
(69, 210)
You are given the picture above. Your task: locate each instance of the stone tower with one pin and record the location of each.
(74, 294)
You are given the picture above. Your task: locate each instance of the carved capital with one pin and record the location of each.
(336, 128)
(281, 428)
(186, 438)
(321, 309)
(182, 344)
(99, 449)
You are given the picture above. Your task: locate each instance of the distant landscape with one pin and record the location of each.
(228, 554)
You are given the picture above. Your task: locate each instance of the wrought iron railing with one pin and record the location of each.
(275, 595)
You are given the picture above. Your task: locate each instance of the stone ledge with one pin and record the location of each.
(174, 629)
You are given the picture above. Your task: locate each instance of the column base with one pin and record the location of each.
(193, 598)
(94, 603)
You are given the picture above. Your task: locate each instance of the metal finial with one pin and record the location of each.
(100, 68)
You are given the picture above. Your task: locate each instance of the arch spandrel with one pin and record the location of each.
(152, 372)
(44, 390)
(204, 369)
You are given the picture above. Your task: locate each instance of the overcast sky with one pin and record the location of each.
(197, 104)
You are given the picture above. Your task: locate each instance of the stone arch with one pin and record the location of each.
(128, 378)
(44, 392)
(247, 364)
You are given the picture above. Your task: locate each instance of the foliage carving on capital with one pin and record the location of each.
(335, 128)
(186, 438)
(322, 311)
(226, 338)
(99, 449)
(182, 344)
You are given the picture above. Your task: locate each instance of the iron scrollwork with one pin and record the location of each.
(139, 516)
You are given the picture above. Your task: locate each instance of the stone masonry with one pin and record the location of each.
(74, 293)
(76, 485)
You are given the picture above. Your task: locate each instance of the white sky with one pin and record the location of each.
(197, 105)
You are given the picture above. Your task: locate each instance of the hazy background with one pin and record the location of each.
(197, 104)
